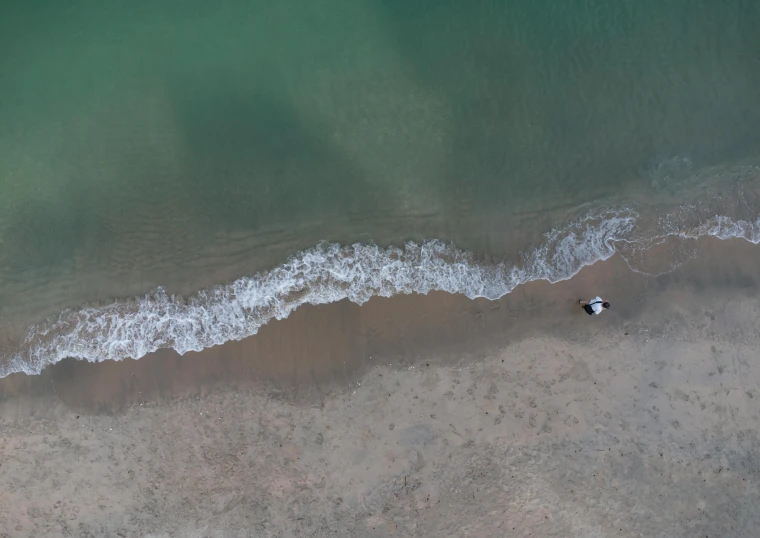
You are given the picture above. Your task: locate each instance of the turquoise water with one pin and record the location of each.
(188, 144)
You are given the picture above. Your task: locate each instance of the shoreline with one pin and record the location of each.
(135, 326)
(468, 419)
(322, 349)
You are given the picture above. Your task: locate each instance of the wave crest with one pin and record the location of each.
(328, 273)
(324, 274)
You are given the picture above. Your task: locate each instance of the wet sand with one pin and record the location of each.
(416, 416)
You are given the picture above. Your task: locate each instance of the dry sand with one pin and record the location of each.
(417, 416)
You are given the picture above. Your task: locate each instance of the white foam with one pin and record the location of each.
(726, 228)
(325, 274)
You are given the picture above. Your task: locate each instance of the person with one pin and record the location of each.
(594, 306)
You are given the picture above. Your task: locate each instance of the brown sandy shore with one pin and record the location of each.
(417, 416)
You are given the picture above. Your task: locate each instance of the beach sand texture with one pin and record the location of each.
(431, 416)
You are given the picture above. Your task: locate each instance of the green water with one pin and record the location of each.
(188, 143)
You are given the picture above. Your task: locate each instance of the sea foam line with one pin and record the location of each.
(324, 274)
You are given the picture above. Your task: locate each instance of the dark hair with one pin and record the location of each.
(605, 304)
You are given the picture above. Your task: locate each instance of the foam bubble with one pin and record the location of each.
(726, 228)
(328, 273)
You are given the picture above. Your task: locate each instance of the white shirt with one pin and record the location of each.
(596, 305)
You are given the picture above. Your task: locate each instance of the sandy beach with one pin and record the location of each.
(416, 416)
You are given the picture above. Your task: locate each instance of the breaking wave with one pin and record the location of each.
(330, 272)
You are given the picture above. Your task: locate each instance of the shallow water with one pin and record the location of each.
(186, 144)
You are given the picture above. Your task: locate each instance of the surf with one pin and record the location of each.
(330, 272)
